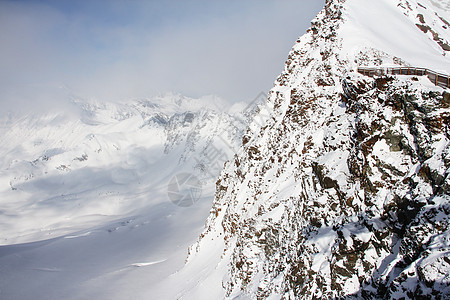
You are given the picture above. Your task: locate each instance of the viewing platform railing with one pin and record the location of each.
(438, 79)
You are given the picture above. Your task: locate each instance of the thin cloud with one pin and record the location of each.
(117, 50)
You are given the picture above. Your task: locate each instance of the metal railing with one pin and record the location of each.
(438, 79)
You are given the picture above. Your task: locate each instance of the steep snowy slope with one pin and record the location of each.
(85, 208)
(341, 187)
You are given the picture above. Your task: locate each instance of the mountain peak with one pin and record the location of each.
(344, 190)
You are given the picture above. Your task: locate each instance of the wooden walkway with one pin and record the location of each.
(435, 77)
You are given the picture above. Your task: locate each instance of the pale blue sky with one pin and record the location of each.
(113, 50)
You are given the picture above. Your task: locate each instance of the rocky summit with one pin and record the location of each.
(341, 188)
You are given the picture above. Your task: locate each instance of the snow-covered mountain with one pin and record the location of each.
(338, 188)
(94, 201)
(341, 188)
(69, 169)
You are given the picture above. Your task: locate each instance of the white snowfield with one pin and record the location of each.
(62, 172)
(84, 206)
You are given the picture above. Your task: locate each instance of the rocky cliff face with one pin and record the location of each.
(341, 188)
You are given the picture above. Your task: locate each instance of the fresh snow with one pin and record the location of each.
(383, 26)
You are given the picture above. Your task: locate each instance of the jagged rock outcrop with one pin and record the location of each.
(341, 187)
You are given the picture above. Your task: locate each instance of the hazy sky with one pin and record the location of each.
(112, 50)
